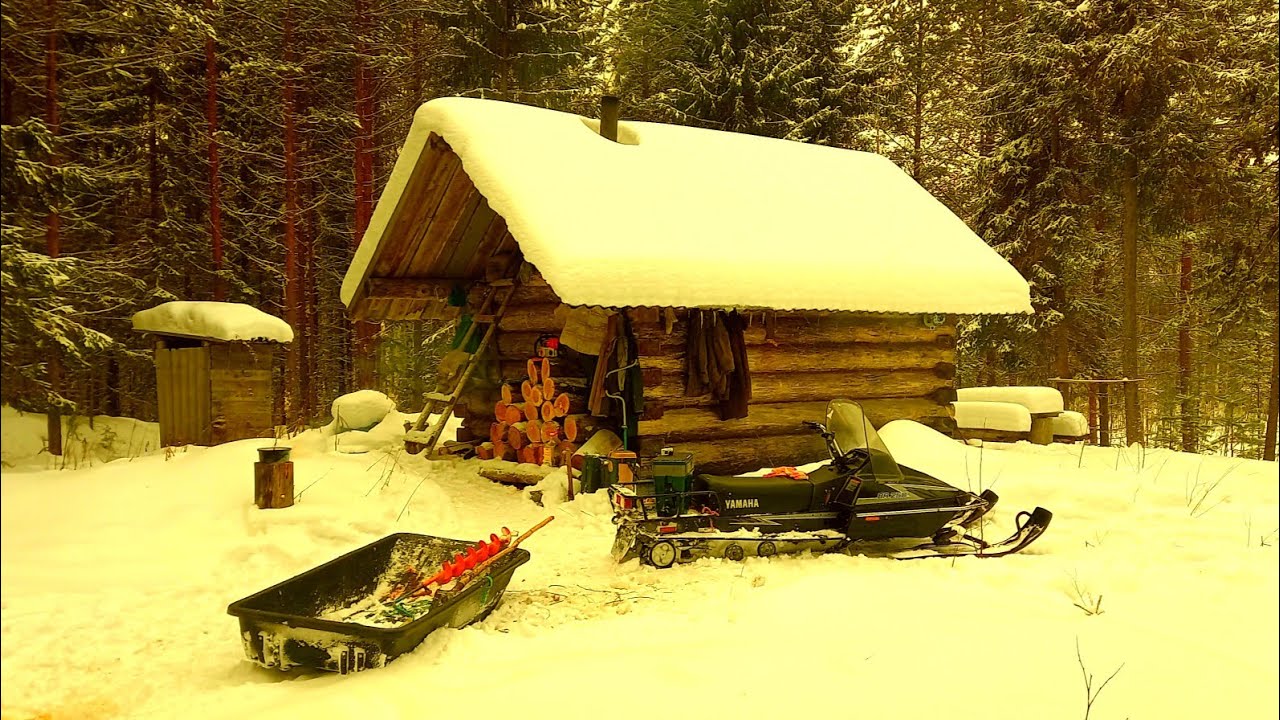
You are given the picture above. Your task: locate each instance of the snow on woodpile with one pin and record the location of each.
(687, 217)
(1070, 424)
(214, 321)
(1036, 400)
(1003, 416)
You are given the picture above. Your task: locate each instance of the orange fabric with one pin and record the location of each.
(790, 472)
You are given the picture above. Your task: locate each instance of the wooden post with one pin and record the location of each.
(1093, 413)
(1041, 431)
(1104, 414)
(273, 478)
(568, 469)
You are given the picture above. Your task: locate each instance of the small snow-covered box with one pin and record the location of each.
(214, 380)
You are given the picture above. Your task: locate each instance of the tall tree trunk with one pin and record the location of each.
(1273, 405)
(291, 305)
(1187, 405)
(366, 356)
(304, 334)
(153, 163)
(52, 224)
(504, 50)
(1061, 335)
(917, 119)
(215, 189)
(1129, 237)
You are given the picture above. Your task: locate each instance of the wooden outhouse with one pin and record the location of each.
(214, 370)
(822, 272)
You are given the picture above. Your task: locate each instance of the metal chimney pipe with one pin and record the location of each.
(609, 117)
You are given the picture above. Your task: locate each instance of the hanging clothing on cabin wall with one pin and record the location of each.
(716, 360)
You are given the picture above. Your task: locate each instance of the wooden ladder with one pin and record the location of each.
(443, 402)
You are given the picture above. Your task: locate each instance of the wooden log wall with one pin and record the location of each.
(241, 391)
(897, 367)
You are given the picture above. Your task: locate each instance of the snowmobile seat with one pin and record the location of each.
(750, 494)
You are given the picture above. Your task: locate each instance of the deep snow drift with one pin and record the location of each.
(116, 580)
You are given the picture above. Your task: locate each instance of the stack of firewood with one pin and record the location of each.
(534, 426)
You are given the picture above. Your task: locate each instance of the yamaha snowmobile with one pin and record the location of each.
(863, 494)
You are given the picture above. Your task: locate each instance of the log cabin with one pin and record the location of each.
(808, 272)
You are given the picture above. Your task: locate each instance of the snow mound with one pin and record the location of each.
(714, 244)
(927, 450)
(1071, 424)
(360, 410)
(1036, 400)
(85, 441)
(213, 320)
(388, 432)
(977, 415)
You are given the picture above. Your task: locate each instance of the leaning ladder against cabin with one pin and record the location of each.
(443, 402)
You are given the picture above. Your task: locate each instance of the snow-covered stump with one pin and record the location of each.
(273, 478)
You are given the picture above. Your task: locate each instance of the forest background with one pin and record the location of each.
(1122, 154)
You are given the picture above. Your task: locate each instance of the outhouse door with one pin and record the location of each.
(182, 384)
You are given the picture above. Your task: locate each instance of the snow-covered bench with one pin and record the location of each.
(992, 421)
(1041, 405)
(1070, 426)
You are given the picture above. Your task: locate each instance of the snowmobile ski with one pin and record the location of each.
(1031, 525)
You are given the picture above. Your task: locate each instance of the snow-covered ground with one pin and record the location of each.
(86, 441)
(116, 579)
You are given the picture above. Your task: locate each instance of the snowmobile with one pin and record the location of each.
(863, 494)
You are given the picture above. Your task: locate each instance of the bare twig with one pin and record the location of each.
(1091, 695)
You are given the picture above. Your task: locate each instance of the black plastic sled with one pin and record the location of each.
(283, 626)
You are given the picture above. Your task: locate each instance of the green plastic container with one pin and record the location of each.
(672, 474)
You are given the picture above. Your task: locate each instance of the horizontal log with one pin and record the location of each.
(517, 346)
(742, 455)
(514, 369)
(540, 318)
(693, 424)
(383, 288)
(509, 473)
(846, 329)
(815, 327)
(852, 356)
(800, 387)
(524, 294)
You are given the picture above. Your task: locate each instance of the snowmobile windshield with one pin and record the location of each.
(853, 430)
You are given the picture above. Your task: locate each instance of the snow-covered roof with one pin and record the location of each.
(213, 321)
(687, 217)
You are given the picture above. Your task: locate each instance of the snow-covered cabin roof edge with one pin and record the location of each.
(686, 217)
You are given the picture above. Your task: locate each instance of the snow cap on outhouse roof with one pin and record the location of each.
(682, 217)
(223, 321)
